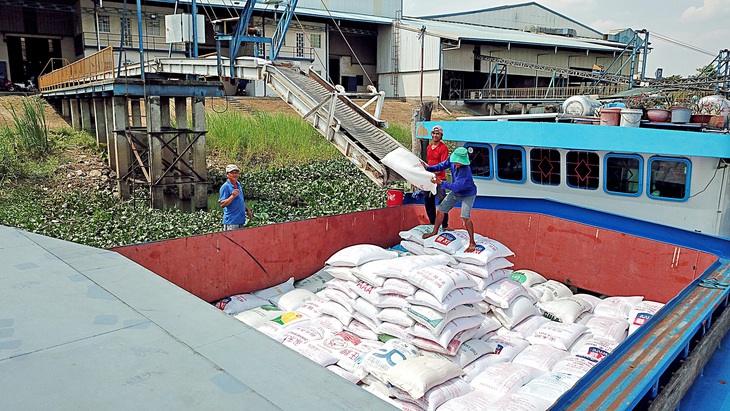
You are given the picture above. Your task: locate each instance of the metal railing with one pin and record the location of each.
(541, 93)
(96, 67)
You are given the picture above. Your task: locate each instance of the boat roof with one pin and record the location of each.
(585, 137)
(86, 328)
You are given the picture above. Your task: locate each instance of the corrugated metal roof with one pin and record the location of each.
(457, 31)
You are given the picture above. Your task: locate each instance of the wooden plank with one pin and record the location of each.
(671, 395)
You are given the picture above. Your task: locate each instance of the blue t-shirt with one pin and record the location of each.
(234, 213)
(463, 182)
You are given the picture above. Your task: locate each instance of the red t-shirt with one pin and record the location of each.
(436, 155)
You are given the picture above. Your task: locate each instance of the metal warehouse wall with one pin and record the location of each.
(381, 8)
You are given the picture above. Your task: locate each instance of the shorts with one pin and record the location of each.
(452, 198)
(228, 227)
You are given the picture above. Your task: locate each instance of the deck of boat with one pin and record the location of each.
(85, 328)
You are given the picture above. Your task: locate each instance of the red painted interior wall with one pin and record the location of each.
(221, 264)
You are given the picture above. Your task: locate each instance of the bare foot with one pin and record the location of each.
(472, 247)
(427, 235)
(447, 229)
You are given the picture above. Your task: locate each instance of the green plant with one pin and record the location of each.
(400, 133)
(32, 134)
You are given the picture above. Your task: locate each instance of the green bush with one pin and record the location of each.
(32, 135)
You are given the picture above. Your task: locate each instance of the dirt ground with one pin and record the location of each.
(54, 121)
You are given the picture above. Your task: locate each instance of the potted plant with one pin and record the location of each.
(703, 111)
(653, 106)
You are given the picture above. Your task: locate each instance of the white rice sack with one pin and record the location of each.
(573, 365)
(317, 353)
(273, 293)
(552, 290)
(486, 251)
(342, 314)
(484, 272)
(641, 313)
(294, 299)
(558, 335)
(239, 303)
(452, 328)
(564, 310)
(595, 349)
(331, 324)
(549, 386)
(315, 282)
(440, 280)
(396, 316)
(437, 395)
(503, 292)
(619, 307)
(396, 330)
(508, 347)
(343, 373)
(590, 299)
(476, 367)
(472, 350)
(330, 294)
(409, 167)
(499, 263)
(448, 242)
(416, 233)
(435, 320)
(403, 266)
(518, 311)
(450, 349)
(360, 254)
(459, 296)
(343, 273)
(517, 401)
(374, 272)
(397, 286)
(413, 247)
(527, 278)
(542, 357)
(528, 326)
(343, 286)
(380, 360)
(365, 290)
(348, 347)
(484, 307)
(473, 401)
(488, 325)
(503, 378)
(300, 335)
(259, 315)
(367, 309)
(391, 301)
(362, 330)
(370, 324)
(584, 318)
(279, 326)
(613, 328)
(419, 374)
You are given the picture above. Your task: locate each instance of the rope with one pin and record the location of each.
(347, 42)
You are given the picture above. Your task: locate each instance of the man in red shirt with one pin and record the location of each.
(437, 152)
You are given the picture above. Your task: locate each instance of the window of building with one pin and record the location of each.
(105, 24)
(624, 174)
(50, 45)
(481, 160)
(545, 166)
(669, 178)
(300, 44)
(127, 32)
(510, 164)
(316, 40)
(153, 27)
(581, 169)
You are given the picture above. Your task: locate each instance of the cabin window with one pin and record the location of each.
(316, 40)
(481, 160)
(545, 166)
(300, 44)
(669, 178)
(624, 174)
(104, 24)
(581, 169)
(510, 164)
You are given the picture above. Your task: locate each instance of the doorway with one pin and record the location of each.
(28, 56)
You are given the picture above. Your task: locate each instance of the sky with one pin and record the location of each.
(702, 24)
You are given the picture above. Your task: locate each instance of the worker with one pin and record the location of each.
(231, 199)
(462, 189)
(436, 153)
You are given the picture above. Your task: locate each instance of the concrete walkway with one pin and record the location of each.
(85, 328)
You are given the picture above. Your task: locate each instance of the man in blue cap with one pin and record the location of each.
(462, 189)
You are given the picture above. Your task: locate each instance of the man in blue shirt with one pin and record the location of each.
(231, 199)
(462, 189)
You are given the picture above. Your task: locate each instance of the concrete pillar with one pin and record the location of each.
(100, 121)
(75, 114)
(65, 109)
(86, 123)
(168, 152)
(181, 122)
(122, 147)
(200, 196)
(154, 143)
(109, 120)
(136, 113)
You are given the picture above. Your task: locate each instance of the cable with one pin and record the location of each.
(310, 43)
(710, 182)
(681, 43)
